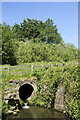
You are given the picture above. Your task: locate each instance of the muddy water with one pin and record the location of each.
(38, 112)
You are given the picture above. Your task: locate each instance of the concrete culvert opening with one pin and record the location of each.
(25, 91)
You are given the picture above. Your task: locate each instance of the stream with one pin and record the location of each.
(35, 112)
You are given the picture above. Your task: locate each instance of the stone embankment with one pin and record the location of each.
(11, 95)
(59, 99)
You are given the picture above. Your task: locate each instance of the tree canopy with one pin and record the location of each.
(34, 41)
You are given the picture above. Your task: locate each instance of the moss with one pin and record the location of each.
(59, 110)
(21, 102)
(30, 102)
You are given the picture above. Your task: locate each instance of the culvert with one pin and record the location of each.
(25, 91)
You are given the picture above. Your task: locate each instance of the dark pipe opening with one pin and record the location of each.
(25, 91)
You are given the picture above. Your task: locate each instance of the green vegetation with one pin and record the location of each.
(48, 81)
(34, 42)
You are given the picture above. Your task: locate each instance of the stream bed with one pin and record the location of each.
(35, 112)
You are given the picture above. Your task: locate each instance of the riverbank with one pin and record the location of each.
(37, 112)
(48, 79)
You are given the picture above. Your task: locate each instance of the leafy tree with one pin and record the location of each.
(16, 31)
(51, 34)
(8, 46)
(34, 41)
(39, 31)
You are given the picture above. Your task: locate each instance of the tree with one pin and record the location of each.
(37, 31)
(8, 46)
(34, 41)
(51, 34)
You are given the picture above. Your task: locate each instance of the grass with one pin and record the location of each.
(0, 98)
(23, 71)
(15, 75)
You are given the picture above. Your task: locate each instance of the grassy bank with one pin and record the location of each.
(48, 79)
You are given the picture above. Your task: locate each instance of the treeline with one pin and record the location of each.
(34, 41)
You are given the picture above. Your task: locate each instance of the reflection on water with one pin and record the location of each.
(39, 112)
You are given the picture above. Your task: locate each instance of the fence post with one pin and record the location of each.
(42, 65)
(62, 67)
(32, 68)
(51, 65)
(8, 70)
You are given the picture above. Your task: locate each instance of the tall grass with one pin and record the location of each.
(24, 71)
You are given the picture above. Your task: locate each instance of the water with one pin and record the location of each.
(39, 112)
(25, 106)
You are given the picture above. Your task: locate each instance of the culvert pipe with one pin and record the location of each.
(25, 91)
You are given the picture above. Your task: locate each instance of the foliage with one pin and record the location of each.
(48, 79)
(8, 45)
(34, 41)
(72, 88)
(32, 52)
(47, 85)
(37, 42)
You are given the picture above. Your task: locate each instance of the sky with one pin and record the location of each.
(63, 14)
(79, 25)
